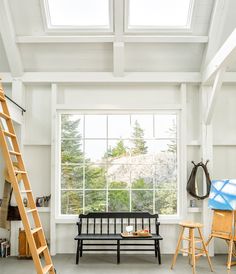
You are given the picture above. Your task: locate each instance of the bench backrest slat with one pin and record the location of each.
(140, 220)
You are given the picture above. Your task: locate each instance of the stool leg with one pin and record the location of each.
(193, 250)
(189, 248)
(205, 249)
(230, 251)
(177, 248)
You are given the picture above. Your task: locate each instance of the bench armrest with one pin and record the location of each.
(79, 224)
(157, 227)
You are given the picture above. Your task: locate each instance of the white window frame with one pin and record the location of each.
(61, 218)
(161, 29)
(74, 29)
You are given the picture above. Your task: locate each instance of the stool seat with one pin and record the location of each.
(190, 224)
(192, 251)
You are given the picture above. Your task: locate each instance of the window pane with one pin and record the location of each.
(142, 176)
(95, 177)
(71, 151)
(95, 126)
(118, 200)
(95, 201)
(166, 170)
(71, 126)
(166, 201)
(159, 13)
(165, 126)
(71, 202)
(95, 150)
(142, 126)
(142, 200)
(79, 12)
(118, 151)
(118, 126)
(118, 176)
(71, 177)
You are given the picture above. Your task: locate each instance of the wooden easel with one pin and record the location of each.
(223, 227)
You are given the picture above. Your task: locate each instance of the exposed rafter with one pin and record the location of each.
(214, 95)
(221, 58)
(8, 38)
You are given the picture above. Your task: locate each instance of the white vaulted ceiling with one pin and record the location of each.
(70, 52)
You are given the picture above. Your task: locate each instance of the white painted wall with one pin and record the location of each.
(37, 143)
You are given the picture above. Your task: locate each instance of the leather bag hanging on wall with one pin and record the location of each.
(13, 211)
(192, 184)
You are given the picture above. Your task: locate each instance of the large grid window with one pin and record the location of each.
(119, 162)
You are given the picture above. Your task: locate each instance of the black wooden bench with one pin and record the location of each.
(108, 226)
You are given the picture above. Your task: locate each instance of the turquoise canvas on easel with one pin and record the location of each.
(223, 194)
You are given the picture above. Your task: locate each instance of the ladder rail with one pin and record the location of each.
(7, 152)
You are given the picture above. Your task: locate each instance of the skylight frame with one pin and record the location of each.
(49, 28)
(160, 29)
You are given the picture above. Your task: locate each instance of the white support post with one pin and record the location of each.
(183, 152)
(53, 171)
(214, 95)
(207, 154)
(8, 37)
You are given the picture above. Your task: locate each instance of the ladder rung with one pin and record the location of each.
(4, 116)
(26, 191)
(31, 210)
(47, 268)
(41, 249)
(2, 98)
(35, 230)
(20, 171)
(14, 153)
(9, 134)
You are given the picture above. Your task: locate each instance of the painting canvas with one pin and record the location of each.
(223, 194)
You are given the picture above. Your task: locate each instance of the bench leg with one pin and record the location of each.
(155, 247)
(81, 248)
(159, 252)
(77, 252)
(118, 251)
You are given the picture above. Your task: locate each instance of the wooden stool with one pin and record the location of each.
(191, 244)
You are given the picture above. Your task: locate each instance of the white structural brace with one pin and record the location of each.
(221, 58)
(215, 92)
(8, 38)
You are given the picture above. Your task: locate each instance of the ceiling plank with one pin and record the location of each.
(214, 95)
(8, 37)
(221, 58)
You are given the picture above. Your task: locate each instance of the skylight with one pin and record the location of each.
(84, 14)
(159, 14)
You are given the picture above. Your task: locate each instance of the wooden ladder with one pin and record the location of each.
(11, 154)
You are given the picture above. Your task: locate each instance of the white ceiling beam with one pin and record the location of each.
(48, 77)
(165, 39)
(65, 39)
(111, 38)
(108, 77)
(118, 59)
(118, 45)
(214, 95)
(8, 37)
(221, 58)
